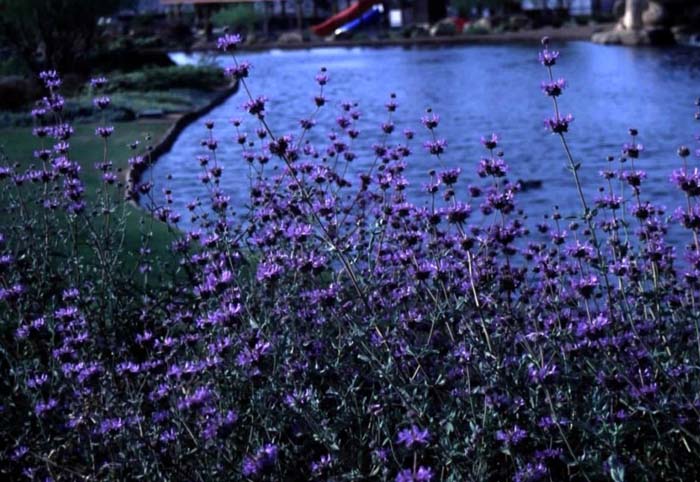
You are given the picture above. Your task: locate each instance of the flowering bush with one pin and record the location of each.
(340, 331)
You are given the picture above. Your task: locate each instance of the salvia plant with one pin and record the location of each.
(333, 329)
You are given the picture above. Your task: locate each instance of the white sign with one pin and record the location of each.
(395, 18)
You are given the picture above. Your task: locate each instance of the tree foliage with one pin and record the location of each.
(237, 17)
(57, 34)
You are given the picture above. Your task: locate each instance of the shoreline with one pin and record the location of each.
(563, 34)
(166, 142)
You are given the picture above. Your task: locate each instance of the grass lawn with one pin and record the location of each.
(18, 144)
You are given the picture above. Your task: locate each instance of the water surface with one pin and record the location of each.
(476, 90)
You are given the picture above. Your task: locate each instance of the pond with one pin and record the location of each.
(476, 90)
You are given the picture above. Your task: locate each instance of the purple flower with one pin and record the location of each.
(262, 460)
(492, 167)
(19, 452)
(544, 374)
(307, 124)
(688, 182)
(559, 125)
(435, 147)
(322, 78)
(585, 285)
(42, 408)
(239, 71)
(422, 474)
(594, 328)
(554, 88)
(38, 112)
(228, 42)
(101, 102)
(430, 121)
(490, 142)
(110, 425)
(632, 150)
(548, 57)
(531, 472)
(321, 464)
(256, 106)
(50, 78)
(61, 132)
(634, 178)
(98, 82)
(511, 437)
(200, 397)
(104, 131)
(457, 213)
(414, 435)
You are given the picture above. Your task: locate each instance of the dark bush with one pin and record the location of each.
(163, 78)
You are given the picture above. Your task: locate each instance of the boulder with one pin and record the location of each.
(655, 15)
(621, 37)
(444, 28)
(647, 36)
(289, 38)
(483, 24)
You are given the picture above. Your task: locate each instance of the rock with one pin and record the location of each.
(444, 28)
(648, 36)
(621, 37)
(288, 38)
(655, 15)
(634, 38)
(483, 24)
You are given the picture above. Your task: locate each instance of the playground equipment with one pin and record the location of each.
(359, 13)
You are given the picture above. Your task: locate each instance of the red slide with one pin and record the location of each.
(341, 18)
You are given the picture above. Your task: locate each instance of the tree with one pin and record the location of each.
(56, 34)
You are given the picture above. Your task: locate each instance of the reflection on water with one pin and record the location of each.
(476, 90)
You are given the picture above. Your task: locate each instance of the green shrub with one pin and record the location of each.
(237, 16)
(163, 78)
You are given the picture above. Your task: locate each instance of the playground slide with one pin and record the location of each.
(351, 13)
(370, 16)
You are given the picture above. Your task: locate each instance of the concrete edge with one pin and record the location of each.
(165, 144)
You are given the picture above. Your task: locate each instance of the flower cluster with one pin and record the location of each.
(335, 328)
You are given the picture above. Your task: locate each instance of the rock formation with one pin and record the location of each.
(643, 23)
